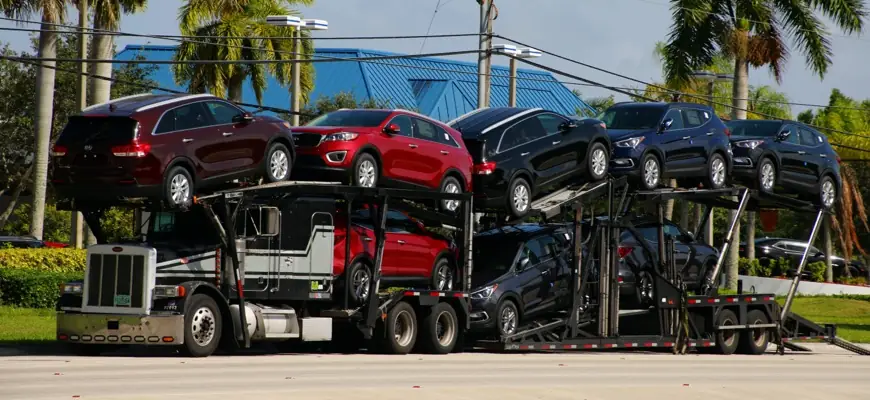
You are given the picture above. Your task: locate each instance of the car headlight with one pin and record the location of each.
(631, 143)
(750, 144)
(484, 293)
(340, 137)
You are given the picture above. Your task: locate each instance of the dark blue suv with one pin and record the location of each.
(657, 141)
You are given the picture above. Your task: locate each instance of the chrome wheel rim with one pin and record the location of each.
(445, 278)
(202, 326)
(508, 320)
(278, 165)
(451, 205)
(403, 330)
(767, 176)
(360, 281)
(599, 162)
(445, 328)
(651, 172)
(179, 189)
(758, 335)
(521, 198)
(366, 174)
(718, 171)
(728, 335)
(828, 193)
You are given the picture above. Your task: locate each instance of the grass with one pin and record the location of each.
(19, 325)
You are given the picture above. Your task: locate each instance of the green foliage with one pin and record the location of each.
(816, 271)
(45, 259)
(117, 223)
(32, 288)
(860, 280)
(766, 269)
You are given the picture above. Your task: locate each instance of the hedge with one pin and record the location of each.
(32, 288)
(54, 260)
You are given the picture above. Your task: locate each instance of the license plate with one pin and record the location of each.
(122, 300)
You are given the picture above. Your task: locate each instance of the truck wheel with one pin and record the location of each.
(202, 326)
(727, 340)
(401, 327)
(754, 341)
(439, 329)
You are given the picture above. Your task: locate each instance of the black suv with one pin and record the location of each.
(786, 154)
(519, 153)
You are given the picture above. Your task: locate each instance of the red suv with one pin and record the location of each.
(412, 254)
(384, 148)
(166, 147)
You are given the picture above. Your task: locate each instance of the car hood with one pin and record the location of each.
(323, 130)
(482, 279)
(619, 134)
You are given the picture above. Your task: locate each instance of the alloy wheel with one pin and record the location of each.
(367, 174)
(279, 165)
(599, 162)
(202, 326)
(445, 277)
(451, 205)
(179, 189)
(651, 172)
(508, 321)
(718, 171)
(767, 176)
(360, 281)
(521, 198)
(828, 193)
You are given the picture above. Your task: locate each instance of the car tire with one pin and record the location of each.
(401, 329)
(727, 340)
(597, 162)
(365, 171)
(178, 187)
(278, 163)
(519, 198)
(358, 274)
(717, 172)
(202, 326)
(443, 275)
(766, 179)
(644, 292)
(754, 341)
(650, 172)
(827, 192)
(450, 185)
(439, 330)
(507, 318)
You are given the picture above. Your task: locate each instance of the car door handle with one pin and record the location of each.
(367, 239)
(710, 133)
(557, 142)
(802, 152)
(228, 134)
(186, 140)
(524, 154)
(545, 272)
(445, 152)
(401, 241)
(413, 146)
(823, 155)
(686, 137)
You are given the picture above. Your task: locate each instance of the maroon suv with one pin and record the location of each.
(366, 147)
(166, 147)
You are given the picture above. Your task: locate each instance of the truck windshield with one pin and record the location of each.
(184, 228)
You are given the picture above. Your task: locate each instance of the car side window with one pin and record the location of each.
(675, 115)
(540, 249)
(446, 138)
(794, 134)
(550, 122)
(167, 123)
(425, 130)
(192, 116)
(807, 138)
(693, 118)
(222, 113)
(673, 231)
(523, 132)
(404, 123)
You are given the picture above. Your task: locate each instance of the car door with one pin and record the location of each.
(399, 151)
(520, 146)
(674, 141)
(563, 149)
(695, 122)
(687, 264)
(410, 256)
(189, 129)
(681, 250)
(530, 277)
(549, 267)
(791, 159)
(811, 153)
(430, 153)
(241, 146)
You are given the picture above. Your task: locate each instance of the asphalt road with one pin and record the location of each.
(827, 374)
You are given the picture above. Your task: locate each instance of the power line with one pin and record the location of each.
(431, 21)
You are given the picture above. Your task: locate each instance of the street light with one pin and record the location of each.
(298, 24)
(514, 53)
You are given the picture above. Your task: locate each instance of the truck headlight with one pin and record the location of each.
(71, 288)
(163, 291)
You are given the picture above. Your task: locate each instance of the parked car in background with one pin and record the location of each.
(396, 148)
(653, 142)
(767, 249)
(413, 255)
(521, 153)
(28, 242)
(166, 147)
(789, 155)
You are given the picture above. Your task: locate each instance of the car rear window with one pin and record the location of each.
(754, 128)
(632, 117)
(360, 118)
(92, 129)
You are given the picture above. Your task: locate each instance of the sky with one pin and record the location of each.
(617, 35)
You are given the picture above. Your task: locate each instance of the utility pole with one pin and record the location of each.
(488, 70)
(708, 229)
(512, 89)
(483, 55)
(76, 225)
(295, 70)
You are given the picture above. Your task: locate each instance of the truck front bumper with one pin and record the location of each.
(120, 329)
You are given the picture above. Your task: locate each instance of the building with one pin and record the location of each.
(441, 88)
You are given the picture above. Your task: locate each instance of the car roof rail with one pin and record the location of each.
(132, 96)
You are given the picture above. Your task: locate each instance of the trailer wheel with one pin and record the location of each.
(754, 341)
(202, 326)
(727, 340)
(439, 329)
(401, 329)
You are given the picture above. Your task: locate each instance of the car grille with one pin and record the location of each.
(307, 139)
(114, 278)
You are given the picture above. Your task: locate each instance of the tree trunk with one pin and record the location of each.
(740, 94)
(100, 90)
(234, 89)
(16, 194)
(44, 113)
(697, 214)
(669, 205)
(826, 237)
(684, 215)
(750, 235)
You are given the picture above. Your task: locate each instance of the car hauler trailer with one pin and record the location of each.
(261, 258)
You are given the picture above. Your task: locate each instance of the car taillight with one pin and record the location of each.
(624, 251)
(58, 151)
(727, 132)
(484, 169)
(134, 149)
(839, 160)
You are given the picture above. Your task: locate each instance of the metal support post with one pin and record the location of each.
(613, 265)
(576, 272)
(603, 282)
(380, 226)
(710, 281)
(348, 284)
(797, 276)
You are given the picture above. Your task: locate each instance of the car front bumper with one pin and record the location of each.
(120, 329)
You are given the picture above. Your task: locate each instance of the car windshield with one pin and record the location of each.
(494, 254)
(632, 117)
(754, 128)
(358, 118)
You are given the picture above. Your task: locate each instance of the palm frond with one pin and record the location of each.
(807, 32)
(848, 14)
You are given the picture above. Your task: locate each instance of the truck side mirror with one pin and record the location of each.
(270, 221)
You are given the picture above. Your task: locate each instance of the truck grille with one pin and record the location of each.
(116, 280)
(307, 139)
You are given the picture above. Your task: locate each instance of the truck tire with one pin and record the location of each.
(754, 341)
(727, 340)
(202, 326)
(439, 330)
(401, 329)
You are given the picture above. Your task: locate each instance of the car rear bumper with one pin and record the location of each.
(120, 329)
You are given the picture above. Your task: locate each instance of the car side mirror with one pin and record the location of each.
(782, 136)
(392, 129)
(243, 118)
(820, 254)
(524, 263)
(666, 124)
(690, 236)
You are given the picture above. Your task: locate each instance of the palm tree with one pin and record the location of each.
(107, 17)
(241, 26)
(53, 12)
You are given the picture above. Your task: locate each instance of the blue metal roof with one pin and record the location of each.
(443, 89)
